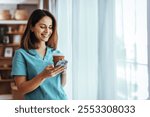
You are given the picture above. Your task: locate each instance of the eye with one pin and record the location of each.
(50, 27)
(42, 27)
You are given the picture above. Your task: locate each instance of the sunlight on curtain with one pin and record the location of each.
(106, 46)
(123, 49)
(77, 27)
(64, 20)
(84, 36)
(131, 38)
(105, 42)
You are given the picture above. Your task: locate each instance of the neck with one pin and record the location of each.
(42, 46)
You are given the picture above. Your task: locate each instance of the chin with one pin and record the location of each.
(45, 40)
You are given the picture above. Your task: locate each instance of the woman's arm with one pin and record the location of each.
(63, 78)
(25, 86)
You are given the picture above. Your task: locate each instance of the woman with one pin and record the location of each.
(32, 65)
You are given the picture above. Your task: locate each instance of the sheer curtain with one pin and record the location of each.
(78, 34)
(85, 49)
(106, 46)
(105, 42)
(123, 71)
(132, 66)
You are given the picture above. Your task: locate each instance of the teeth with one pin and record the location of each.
(46, 36)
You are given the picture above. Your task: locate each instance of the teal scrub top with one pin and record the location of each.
(30, 63)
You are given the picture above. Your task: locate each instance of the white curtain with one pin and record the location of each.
(78, 34)
(123, 56)
(85, 49)
(105, 42)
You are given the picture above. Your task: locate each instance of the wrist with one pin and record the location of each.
(41, 77)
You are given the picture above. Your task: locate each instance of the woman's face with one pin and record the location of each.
(43, 29)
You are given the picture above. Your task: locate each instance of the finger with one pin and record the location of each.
(58, 67)
(51, 66)
(57, 71)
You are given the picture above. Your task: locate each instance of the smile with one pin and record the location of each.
(46, 36)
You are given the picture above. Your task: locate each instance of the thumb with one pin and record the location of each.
(50, 66)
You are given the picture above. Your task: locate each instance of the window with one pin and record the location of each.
(131, 32)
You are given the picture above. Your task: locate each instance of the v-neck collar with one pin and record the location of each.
(42, 57)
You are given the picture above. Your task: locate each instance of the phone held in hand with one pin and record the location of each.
(61, 63)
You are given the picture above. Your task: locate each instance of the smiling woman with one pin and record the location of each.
(43, 29)
(32, 68)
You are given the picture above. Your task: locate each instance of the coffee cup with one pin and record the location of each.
(57, 58)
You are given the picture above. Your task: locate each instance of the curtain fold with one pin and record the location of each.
(106, 53)
(65, 42)
(85, 64)
(103, 41)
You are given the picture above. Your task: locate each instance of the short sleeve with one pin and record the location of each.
(18, 64)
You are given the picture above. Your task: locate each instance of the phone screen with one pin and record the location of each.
(61, 63)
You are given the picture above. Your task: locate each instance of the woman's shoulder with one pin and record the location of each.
(20, 50)
(18, 54)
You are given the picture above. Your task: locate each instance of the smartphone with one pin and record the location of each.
(61, 63)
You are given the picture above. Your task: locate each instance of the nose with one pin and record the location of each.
(47, 30)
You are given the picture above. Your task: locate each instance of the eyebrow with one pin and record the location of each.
(44, 24)
(40, 23)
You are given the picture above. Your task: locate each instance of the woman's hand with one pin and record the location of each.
(51, 71)
(25, 86)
